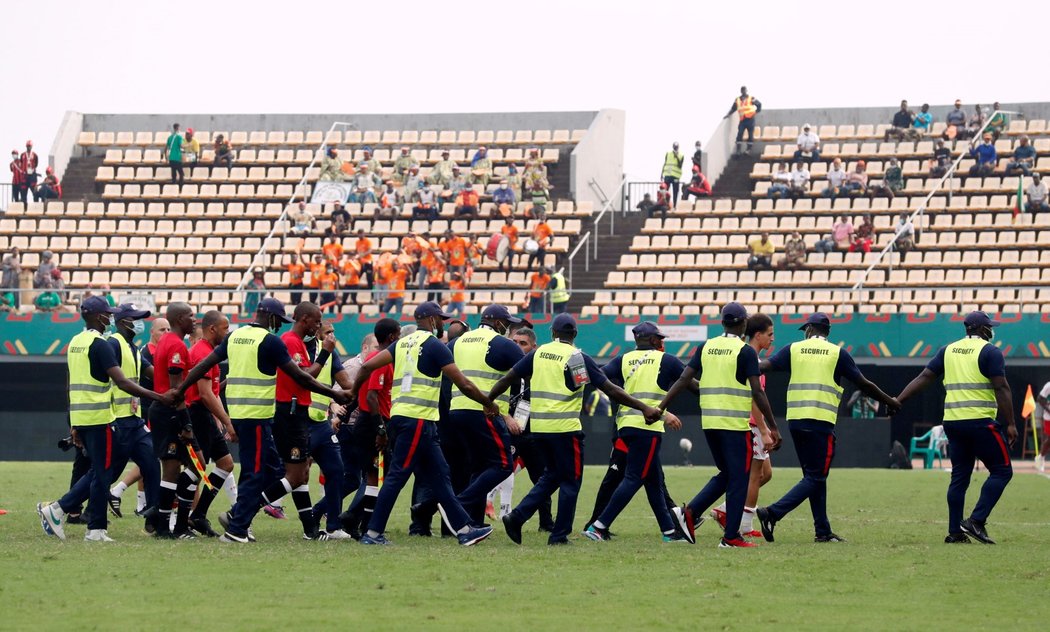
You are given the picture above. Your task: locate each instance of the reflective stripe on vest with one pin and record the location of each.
(469, 353)
(89, 400)
(672, 165)
(968, 393)
(640, 371)
(812, 391)
(555, 408)
(745, 107)
(319, 403)
(421, 402)
(725, 404)
(560, 293)
(129, 364)
(250, 393)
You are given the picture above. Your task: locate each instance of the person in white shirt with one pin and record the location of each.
(781, 185)
(808, 145)
(836, 176)
(1037, 195)
(904, 235)
(1042, 412)
(799, 181)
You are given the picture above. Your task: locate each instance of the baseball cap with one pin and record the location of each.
(733, 313)
(430, 308)
(819, 318)
(96, 305)
(564, 324)
(127, 311)
(979, 319)
(273, 306)
(647, 329)
(499, 312)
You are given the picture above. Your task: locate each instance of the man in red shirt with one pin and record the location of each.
(30, 161)
(210, 420)
(172, 428)
(369, 432)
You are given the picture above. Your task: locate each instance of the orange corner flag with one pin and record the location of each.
(1029, 403)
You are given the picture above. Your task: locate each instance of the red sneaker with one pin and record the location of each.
(753, 534)
(719, 516)
(734, 543)
(490, 510)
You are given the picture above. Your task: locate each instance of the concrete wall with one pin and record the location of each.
(717, 151)
(882, 114)
(599, 157)
(65, 143)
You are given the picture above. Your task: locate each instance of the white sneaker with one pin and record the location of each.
(97, 535)
(52, 524)
(504, 510)
(339, 534)
(1040, 463)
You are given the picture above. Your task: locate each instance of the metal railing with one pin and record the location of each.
(606, 208)
(586, 259)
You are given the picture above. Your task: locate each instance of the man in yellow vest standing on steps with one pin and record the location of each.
(559, 293)
(813, 399)
(976, 393)
(93, 370)
(747, 107)
(671, 174)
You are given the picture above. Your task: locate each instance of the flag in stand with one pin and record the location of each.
(1019, 204)
(1029, 403)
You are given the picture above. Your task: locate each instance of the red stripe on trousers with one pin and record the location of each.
(1002, 444)
(499, 443)
(750, 452)
(415, 442)
(649, 459)
(831, 451)
(258, 449)
(578, 465)
(619, 445)
(109, 447)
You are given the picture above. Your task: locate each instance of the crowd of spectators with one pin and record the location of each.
(25, 178)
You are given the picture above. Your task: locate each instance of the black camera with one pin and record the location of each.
(66, 443)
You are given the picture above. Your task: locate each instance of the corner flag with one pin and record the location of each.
(1029, 403)
(1019, 204)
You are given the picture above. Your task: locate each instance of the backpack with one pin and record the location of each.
(899, 457)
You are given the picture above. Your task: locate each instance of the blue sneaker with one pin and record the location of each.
(595, 533)
(379, 539)
(475, 535)
(52, 525)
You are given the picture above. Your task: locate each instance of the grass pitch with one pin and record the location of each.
(894, 573)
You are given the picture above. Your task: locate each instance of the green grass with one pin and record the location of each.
(895, 572)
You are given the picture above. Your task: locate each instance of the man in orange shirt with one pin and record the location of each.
(467, 203)
(537, 286)
(457, 300)
(333, 250)
(542, 234)
(363, 248)
(427, 254)
(455, 249)
(351, 269)
(395, 300)
(296, 273)
(511, 231)
(329, 285)
(436, 277)
(316, 271)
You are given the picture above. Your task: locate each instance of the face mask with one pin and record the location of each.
(274, 325)
(503, 186)
(138, 326)
(991, 334)
(439, 328)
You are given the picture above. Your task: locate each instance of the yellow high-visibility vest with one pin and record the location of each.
(968, 393)
(130, 364)
(725, 403)
(89, 400)
(555, 408)
(813, 392)
(250, 393)
(421, 400)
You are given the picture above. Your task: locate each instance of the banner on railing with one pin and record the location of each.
(331, 191)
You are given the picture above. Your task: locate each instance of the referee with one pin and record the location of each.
(976, 392)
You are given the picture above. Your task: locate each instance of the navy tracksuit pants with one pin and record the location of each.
(486, 444)
(969, 440)
(815, 446)
(732, 452)
(324, 449)
(260, 466)
(102, 449)
(643, 468)
(563, 472)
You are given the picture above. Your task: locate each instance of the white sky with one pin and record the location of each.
(673, 66)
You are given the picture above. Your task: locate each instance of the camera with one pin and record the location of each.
(66, 443)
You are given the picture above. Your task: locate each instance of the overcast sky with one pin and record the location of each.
(673, 66)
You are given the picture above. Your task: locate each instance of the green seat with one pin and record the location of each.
(929, 446)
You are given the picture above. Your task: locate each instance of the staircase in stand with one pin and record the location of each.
(610, 247)
(78, 183)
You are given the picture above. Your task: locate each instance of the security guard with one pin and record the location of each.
(747, 107)
(672, 170)
(729, 384)
(93, 369)
(813, 400)
(419, 360)
(976, 392)
(484, 355)
(255, 354)
(559, 293)
(646, 373)
(558, 373)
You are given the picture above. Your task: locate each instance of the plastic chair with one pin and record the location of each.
(929, 446)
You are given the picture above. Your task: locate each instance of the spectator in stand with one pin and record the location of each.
(904, 235)
(333, 250)
(511, 231)
(842, 232)
(481, 167)
(254, 291)
(223, 152)
(922, 124)
(976, 122)
(332, 166)
(296, 274)
(389, 203)
(442, 171)
(503, 200)
(328, 286)
(807, 145)
(671, 174)
(863, 236)
(836, 178)
(412, 182)
(748, 108)
(436, 269)
(460, 181)
(514, 180)
(50, 189)
(7, 302)
(534, 163)
(173, 154)
(424, 206)
(901, 123)
(48, 300)
(955, 122)
(316, 272)
(780, 186)
(699, 186)
(799, 181)
(538, 282)
(663, 201)
(340, 219)
(191, 149)
(363, 249)
(794, 252)
(542, 234)
(457, 302)
(825, 245)
(467, 203)
(1023, 160)
(365, 184)
(761, 253)
(646, 205)
(404, 165)
(998, 121)
(698, 157)
(986, 157)
(454, 248)
(11, 280)
(30, 161)
(351, 281)
(446, 196)
(42, 277)
(892, 181)
(302, 221)
(1037, 195)
(373, 165)
(942, 159)
(19, 188)
(856, 183)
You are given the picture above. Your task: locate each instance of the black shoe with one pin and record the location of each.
(513, 528)
(114, 506)
(546, 528)
(75, 519)
(316, 534)
(184, 534)
(557, 541)
(831, 537)
(956, 538)
(976, 531)
(203, 526)
(350, 521)
(766, 522)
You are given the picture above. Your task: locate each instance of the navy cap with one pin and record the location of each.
(647, 329)
(819, 318)
(96, 305)
(273, 306)
(564, 324)
(430, 308)
(127, 311)
(499, 312)
(733, 313)
(979, 319)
